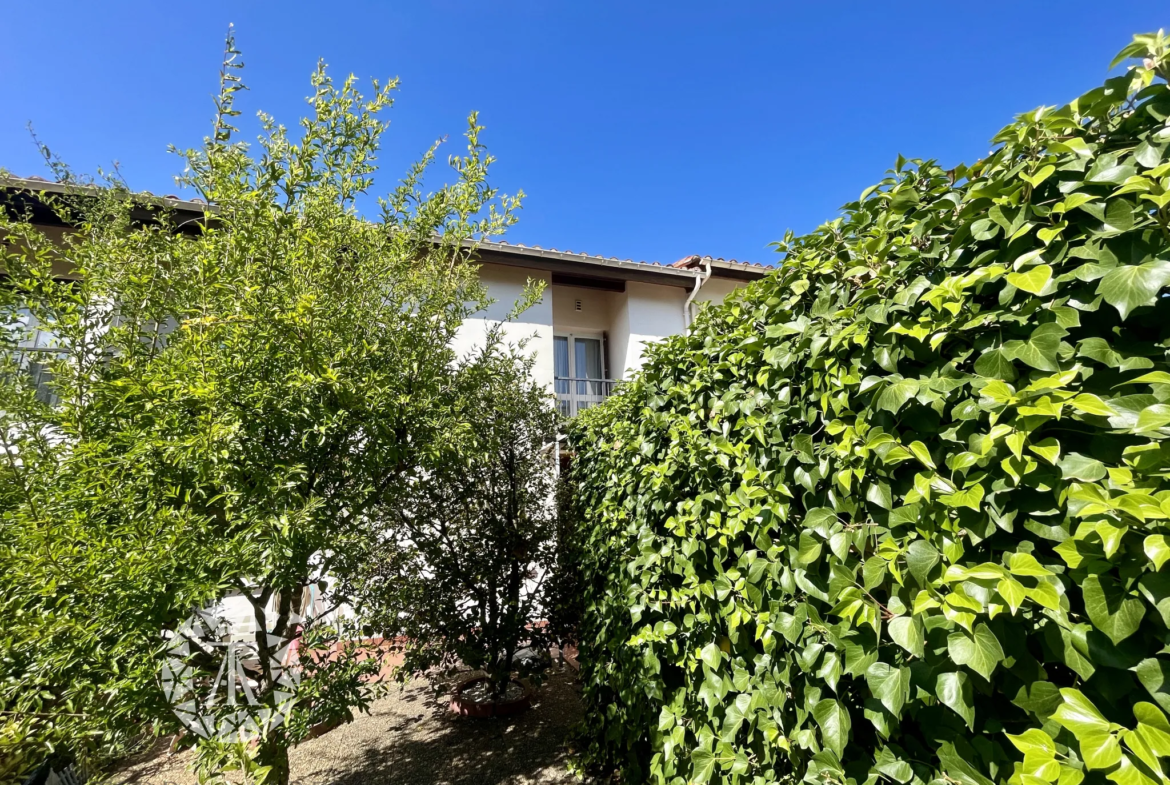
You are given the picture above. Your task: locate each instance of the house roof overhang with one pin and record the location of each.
(22, 194)
(578, 269)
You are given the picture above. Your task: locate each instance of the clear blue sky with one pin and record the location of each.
(637, 129)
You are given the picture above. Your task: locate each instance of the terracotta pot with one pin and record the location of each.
(320, 729)
(507, 708)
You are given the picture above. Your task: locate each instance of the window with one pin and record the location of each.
(36, 348)
(579, 372)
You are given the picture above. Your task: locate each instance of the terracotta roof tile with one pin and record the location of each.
(683, 263)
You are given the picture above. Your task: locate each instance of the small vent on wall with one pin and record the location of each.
(577, 304)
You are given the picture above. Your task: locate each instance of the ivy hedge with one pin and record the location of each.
(900, 511)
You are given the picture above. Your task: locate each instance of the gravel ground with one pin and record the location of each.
(408, 738)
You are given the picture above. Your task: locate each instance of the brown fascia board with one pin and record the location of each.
(582, 266)
(724, 268)
(738, 270)
(23, 194)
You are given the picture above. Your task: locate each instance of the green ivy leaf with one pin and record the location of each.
(1134, 285)
(1115, 218)
(1157, 549)
(921, 557)
(1128, 773)
(1040, 698)
(984, 229)
(1110, 610)
(1153, 727)
(922, 454)
(734, 714)
(1075, 466)
(1039, 351)
(1032, 281)
(894, 768)
(1099, 749)
(995, 365)
(1026, 565)
(890, 685)
(1048, 449)
(820, 520)
(1136, 743)
(702, 765)
(1013, 593)
(958, 768)
(810, 549)
(953, 688)
(1079, 715)
(1041, 174)
(896, 394)
(1154, 674)
(834, 722)
(879, 493)
(1033, 740)
(906, 631)
(980, 652)
(968, 497)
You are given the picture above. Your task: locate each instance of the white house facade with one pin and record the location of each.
(588, 332)
(591, 327)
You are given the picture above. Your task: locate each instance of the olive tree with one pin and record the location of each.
(227, 406)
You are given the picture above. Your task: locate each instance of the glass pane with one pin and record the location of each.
(588, 357)
(587, 363)
(561, 364)
(32, 334)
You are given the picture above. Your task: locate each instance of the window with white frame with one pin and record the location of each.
(579, 372)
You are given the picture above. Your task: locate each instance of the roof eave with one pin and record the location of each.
(23, 184)
(597, 267)
(681, 274)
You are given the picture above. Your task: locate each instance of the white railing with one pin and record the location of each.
(574, 395)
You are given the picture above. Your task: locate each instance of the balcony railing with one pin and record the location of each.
(574, 395)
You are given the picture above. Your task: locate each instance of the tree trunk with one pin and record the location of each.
(510, 631)
(274, 752)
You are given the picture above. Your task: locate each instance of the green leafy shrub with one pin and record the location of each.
(458, 574)
(899, 511)
(231, 404)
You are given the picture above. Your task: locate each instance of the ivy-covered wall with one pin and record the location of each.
(900, 511)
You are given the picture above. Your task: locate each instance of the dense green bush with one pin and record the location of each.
(899, 511)
(230, 404)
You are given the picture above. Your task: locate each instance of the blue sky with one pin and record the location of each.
(637, 129)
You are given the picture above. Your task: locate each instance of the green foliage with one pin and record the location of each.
(231, 402)
(563, 598)
(899, 511)
(457, 576)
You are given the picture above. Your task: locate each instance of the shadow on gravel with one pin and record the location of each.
(410, 738)
(439, 748)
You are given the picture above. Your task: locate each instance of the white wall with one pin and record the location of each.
(715, 289)
(596, 314)
(630, 320)
(648, 313)
(505, 285)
